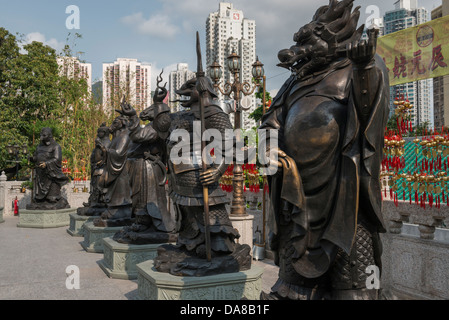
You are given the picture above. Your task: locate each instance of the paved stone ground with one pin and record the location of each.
(33, 266)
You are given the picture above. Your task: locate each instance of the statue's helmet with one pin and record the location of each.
(319, 42)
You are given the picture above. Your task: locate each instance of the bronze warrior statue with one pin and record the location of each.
(147, 160)
(326, 198)
(96, 205)
(49, 178)
(186, 187)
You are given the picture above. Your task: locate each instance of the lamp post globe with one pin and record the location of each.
(234, 63)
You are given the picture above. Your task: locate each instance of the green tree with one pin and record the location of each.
(392, 123)
(11, 125)
(257, 114)
(35, 94)
(82, 114)
(39, 93)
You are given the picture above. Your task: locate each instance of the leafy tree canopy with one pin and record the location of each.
(34, 94)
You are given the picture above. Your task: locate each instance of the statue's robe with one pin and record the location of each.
(147, 163)
(330, 178)
(97, 163)
(115, 178)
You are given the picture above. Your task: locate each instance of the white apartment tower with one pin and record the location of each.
(71, 67)
(376, 23)
(228, 31)
(177, 78)
(129, 78)
(405, 15)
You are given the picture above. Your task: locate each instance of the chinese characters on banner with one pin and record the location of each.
(416, 53)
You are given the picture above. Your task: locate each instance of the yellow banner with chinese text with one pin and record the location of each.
(416, 53)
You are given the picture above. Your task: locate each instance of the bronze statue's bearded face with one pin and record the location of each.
(46, 136)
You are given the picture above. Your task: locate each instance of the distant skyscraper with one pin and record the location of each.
(441, 84)
(405, 15)
(72, 67)
(228, 31)
(377, 23)
(176, 80)
(129, 78)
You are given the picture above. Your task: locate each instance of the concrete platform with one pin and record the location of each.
(93, 237)
(120, 260)
(76, 228)
(45, 219)
(154, 285)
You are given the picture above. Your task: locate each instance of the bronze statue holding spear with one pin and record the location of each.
(206, 242)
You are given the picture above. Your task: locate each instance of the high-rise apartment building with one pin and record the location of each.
(228, 31)
(177, 78)
(441, 84)
(72, 67)
(126, 78)
(376, 23)
(405, 15)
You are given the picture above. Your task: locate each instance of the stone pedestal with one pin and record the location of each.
(1, 215)
(77, 222)
(244, 225)
(426, 232)
(154, 285)
(43, 219)
(120, 259)
(93, 237)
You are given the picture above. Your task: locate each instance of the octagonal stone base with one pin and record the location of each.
(93, 237)
(76, 228)
(1, 215)
(154, 285)
(43, 219)
(120, 259)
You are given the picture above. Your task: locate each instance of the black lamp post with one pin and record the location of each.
(238, 88)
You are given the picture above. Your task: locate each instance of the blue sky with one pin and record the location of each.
(162, 32)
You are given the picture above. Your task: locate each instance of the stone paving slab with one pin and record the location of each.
(33, 266)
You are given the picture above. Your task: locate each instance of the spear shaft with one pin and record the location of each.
(201, 78)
